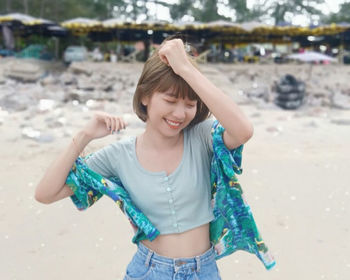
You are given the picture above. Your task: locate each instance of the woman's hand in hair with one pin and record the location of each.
(173, 53)
(103, 124)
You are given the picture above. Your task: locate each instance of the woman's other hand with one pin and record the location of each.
(103, 124)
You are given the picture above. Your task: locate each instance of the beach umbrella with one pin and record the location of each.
(17, 17)
(115, 23)
(82, 24)
(223, 24)
(25, 19)
(224, 27)
(311, 56)
(183, 25)
(82, 21)
(255, 26)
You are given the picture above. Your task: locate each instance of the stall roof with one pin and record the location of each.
(25, 19)
(215, 30)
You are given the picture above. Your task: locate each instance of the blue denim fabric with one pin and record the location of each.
(148, 265)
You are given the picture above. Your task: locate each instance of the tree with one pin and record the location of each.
(342, 16)
(279, 10)
(208, 10)
(243, 14)
(177, 11)
(60, 10)
(129, 9)
(202, 10)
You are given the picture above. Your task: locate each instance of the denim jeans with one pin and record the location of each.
(148, 265)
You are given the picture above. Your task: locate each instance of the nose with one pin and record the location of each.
(179, 111)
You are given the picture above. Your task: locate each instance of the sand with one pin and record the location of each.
(295, 176)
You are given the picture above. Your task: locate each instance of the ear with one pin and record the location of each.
(145, 100)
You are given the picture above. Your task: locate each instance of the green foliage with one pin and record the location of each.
(342, 16)
(60, 10)
(177, 11)
(204, 10)
(129, 9)
(279, 9)
(207, 12)
(200, 10)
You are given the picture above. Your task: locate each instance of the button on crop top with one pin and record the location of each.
(174, 203)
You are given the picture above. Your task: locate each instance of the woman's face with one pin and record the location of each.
(168, 113)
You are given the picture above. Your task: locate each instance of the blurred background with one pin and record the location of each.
(285, 63)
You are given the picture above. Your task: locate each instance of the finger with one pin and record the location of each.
(120, 123)
(116, 122)
(114, 125)
(162, 56)
(164, 59)
(108, 123)
(123, 123)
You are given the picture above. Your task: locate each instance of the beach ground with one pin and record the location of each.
(295, 177)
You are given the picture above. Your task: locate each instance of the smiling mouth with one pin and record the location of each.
(173, 124)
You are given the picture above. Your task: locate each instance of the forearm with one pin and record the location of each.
(222, 106)
(55, 177)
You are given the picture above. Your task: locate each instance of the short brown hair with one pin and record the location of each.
(157, 76)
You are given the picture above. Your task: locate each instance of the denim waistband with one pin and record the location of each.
(207, 256)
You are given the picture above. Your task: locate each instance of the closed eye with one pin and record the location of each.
(170, 101)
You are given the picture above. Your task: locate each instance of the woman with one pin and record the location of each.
(166, 169)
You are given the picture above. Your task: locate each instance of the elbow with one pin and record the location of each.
(248, 134)
(40, 198)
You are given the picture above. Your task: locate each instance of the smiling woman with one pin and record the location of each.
(165, 171)
(177, 112)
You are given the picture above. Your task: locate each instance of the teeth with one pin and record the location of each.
(173, 123)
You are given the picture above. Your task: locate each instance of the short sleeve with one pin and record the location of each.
(87, 176)
(202, 131)
(104, 161)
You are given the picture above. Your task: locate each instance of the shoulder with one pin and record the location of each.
(115, 148)
(201, 134)
(202, 127)
(124, 143)
(106, 161)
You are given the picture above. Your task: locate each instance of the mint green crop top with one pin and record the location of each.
(174, 203)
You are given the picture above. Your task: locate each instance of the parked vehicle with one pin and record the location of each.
(75, 53)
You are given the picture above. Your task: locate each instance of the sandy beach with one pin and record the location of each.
(295, 177)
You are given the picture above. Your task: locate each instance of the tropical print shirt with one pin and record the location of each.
(233, 227)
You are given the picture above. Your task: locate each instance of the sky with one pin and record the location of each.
(331, 6)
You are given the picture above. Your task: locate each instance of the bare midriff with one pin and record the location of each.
(186, 244)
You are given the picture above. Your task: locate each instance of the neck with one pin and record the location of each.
(153, 139)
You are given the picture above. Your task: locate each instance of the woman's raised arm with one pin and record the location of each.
(238, 128)
(52, 185)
